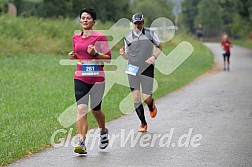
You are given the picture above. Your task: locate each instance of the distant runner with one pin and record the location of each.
(226, 44)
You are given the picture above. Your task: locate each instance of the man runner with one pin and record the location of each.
(138, 50)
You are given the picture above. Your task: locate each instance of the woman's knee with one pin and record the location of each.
(82, 109)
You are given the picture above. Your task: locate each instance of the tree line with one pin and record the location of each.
(107, 10)
(216, 16)
(233, 17)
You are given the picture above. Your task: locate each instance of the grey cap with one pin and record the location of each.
(137, 17)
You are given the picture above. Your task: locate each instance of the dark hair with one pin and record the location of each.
(89, 11)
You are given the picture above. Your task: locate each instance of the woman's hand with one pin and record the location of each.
(91, 49)
(72, 55)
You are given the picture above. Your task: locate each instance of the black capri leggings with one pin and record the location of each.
(84, 90)
(226, 57)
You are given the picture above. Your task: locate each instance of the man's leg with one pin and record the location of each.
(151, 104)
(134, 82)
(139, 106)
(147, 88)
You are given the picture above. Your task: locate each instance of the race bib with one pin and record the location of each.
(132, 70)
(89, 68)
(224, 52)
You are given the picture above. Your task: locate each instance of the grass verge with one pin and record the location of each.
(35, 89)
(244, 42)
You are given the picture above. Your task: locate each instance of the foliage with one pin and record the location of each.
(230, 16)
(210, 17)
(189, 12)
(152, 10)
(3, 6)
(110, 10)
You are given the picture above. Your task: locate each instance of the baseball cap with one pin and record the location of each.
(137, 17)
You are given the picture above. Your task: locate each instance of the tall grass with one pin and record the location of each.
(244, 42)
(37, 35)
(35, 88)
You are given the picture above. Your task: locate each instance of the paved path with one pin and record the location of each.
(218, 108)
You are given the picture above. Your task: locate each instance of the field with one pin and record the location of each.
(35, 88)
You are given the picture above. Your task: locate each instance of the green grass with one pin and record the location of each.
(244, 42)
(35, 88)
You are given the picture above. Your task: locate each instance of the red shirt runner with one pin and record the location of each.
(226, 46)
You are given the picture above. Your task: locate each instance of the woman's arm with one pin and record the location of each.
(91, 50)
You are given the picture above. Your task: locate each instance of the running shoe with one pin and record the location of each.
(80, 148)
(142, 128)
(104, 141)
(153, 110)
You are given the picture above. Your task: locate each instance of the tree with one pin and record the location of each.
(3, 6)
(209, 15)
(245, 9)
(56, 8)
(242, 21)
(110, 10)
(228, 13)
(152, 10)
(189, 13)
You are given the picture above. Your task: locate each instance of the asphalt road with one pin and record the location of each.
(206, 123)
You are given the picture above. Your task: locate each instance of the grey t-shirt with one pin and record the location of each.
(139, 46)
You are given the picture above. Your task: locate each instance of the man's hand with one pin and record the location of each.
(150, 60)
(122, 51)
(72, 55)
(91, 49)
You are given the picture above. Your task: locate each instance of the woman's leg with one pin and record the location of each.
(82, 124)
(100, 118)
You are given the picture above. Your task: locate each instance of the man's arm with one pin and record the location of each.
(124, 51)
(158, 50)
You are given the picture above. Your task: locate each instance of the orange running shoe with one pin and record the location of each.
(153, 113)
(142, 128)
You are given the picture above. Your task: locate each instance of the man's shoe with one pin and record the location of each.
(153, 110)
(142, 128)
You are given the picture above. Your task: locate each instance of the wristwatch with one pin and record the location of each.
(96, 54)
(155, 57)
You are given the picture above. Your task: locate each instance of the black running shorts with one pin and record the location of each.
(83, 91)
